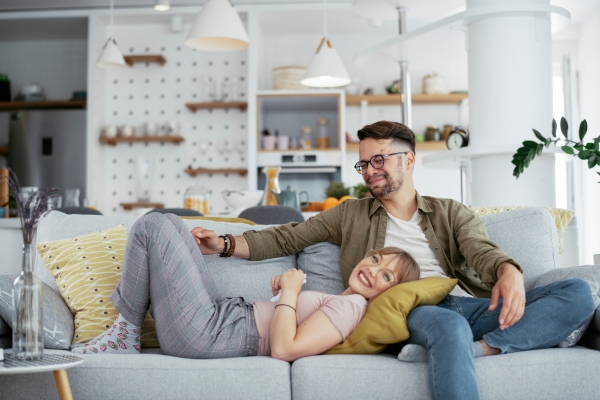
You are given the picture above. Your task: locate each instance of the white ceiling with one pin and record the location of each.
(420, 12)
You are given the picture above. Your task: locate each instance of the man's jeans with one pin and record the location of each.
(449, 329)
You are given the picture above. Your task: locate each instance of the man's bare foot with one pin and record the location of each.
(487, 350)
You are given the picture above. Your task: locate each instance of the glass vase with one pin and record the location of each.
(28, 317)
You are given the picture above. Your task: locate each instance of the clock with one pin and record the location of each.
(457, 138)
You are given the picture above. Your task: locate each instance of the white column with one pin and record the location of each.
(510, 92)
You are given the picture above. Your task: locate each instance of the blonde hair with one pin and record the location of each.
(409, 269)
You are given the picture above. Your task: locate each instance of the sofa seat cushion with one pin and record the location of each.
(152, 376)
(538, 374)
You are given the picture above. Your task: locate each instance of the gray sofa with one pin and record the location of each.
(529, 235)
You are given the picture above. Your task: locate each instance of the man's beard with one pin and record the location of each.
(390, 187)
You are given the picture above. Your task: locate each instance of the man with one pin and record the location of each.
(487, 313)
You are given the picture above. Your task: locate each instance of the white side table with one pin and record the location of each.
(57, 363)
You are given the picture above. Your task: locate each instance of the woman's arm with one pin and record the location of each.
(289, 342)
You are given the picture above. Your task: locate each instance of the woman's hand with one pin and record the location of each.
(290, 281)
(275, 286)
(207, 241)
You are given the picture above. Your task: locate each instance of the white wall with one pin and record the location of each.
(588, 65)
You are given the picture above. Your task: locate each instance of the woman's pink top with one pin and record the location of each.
(345, 312)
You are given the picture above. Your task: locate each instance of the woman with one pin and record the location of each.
(163, 266)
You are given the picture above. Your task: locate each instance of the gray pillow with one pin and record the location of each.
(321, 263)
(58, 320)
(588, 273)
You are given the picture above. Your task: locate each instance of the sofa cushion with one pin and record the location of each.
(546, 374)
(87, 269)
(561, 218)
(158, 377)
(588, 273)
(529, 236)
(321, 263)
(58, 320)
(392, 307)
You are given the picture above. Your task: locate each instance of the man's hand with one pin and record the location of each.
(511, 288)
(208, 241)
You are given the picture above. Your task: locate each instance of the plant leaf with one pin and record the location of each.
(530, 144)
(540, 149)
(592, 161)
(579, 147)
(553, 127)
(589, 146)
(567, 150)
(582, 129)
(597, 144)
(539, 136)
(585, 154)
(564, 127)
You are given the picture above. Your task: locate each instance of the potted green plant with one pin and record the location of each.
(589, 152)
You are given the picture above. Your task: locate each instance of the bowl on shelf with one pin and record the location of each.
(239, 200)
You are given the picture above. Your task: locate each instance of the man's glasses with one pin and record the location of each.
(384, 275)
(377, 162)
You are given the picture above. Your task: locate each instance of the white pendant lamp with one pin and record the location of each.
(110, 56)
(218, 27)
(326, 68)
(162, 5)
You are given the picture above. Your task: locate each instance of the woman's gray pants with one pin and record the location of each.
(163, 266)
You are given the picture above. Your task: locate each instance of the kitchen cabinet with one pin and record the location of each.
(285, 114)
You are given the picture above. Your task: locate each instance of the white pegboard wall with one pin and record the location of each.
(148, 92)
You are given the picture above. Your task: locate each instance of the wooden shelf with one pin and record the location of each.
(131, 206)
(194, 172)
(242, 105)
(143, 139)
(146, 58)
(291, 151)
(41, 105)
(394, 99)
(3, 150)
(421, 146)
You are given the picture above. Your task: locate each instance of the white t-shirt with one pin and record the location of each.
(409, 237)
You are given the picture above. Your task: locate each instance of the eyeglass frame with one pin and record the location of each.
(381, 267)
(383, 156)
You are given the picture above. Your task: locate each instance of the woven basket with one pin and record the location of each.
(288, 78)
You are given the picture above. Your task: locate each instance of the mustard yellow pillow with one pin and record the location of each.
(87, 269)
(385, 320)
(561, 217)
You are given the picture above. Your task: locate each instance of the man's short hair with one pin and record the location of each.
(399, 133)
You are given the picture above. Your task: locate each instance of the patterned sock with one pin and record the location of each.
(122, 338)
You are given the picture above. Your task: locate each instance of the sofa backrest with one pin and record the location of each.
(529, 236)
(233, 277)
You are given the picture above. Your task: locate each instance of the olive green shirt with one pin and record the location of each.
(456, 236)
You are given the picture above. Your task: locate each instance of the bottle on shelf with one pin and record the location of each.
(323, 139)
(197, 198)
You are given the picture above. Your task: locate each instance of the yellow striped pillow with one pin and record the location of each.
(87, 269)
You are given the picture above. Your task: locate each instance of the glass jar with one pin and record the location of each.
(208, 94)
(306, 137)
(272, 185)
(197, 198)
